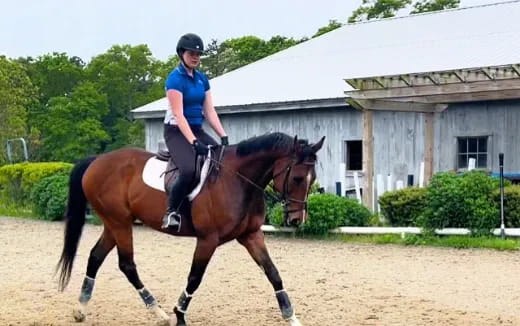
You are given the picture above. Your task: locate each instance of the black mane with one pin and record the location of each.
(268, 142)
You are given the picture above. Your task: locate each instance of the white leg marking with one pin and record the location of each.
(80, 313)
(293, 321)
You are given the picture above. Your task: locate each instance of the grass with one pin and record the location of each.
(17, 211)
(460, 242)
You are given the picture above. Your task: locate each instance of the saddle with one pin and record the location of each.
(171, 173)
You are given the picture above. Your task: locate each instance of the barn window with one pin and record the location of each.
(472, 147)
(354, 153)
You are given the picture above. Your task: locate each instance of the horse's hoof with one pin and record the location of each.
(79, 316)
(163, 323)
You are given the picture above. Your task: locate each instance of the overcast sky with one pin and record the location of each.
(89, 27)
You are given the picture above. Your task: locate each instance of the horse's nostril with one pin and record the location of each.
(293, 222)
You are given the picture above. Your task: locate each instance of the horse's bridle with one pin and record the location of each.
(286, 199)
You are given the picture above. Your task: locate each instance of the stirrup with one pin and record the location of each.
(171, 219)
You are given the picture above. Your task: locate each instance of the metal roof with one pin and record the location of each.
(480, 36)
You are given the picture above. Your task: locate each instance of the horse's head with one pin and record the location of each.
(293, 176)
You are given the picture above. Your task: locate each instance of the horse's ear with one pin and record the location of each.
(316, 147)
(296, 144)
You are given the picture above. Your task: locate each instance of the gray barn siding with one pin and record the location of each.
(398, 144)
(337, 124)
(500, 120)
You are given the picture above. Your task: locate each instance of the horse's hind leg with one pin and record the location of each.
(255, 245)
(97, 255)
(127, 265)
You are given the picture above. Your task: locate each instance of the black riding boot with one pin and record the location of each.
(172, 218)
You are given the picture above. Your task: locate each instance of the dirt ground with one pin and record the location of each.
(329, 283)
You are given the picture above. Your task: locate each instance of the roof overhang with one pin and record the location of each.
(259, 107)
(432, 91)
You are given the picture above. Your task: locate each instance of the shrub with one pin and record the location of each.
(511, 205)
(274, 211)
(461, 201)
(326, 212)
(49, 197)
(403, 207)
(17, 180)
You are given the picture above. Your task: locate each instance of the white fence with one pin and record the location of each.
(390, 230)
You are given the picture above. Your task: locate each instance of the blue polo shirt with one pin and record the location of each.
(193, 91)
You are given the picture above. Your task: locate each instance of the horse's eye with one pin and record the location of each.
(298, 180)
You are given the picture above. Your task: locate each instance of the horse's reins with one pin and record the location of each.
(285, 199)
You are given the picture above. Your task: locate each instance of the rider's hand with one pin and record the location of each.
(200, 148)
(224, 141)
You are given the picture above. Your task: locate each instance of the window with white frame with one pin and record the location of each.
(472, 147)
(354, 155)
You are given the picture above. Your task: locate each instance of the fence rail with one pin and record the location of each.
(392, 230)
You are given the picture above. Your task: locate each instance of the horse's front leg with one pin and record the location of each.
(203, 252)
(255, 245)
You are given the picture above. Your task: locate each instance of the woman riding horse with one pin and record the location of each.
(232, 206)
(189, 98)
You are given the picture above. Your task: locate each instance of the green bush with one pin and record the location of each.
(461, 201)
(273, 208)
(326, 212)
(17, 180)
(49, 197)
(511, 205)
(403, 207)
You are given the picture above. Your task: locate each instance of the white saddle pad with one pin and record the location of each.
(153, 175)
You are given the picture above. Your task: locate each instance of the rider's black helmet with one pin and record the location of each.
(191, 42)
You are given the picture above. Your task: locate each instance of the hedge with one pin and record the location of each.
(17, 180)
(326, 212)
(49, 197)
(511, 205)
(403, 207)
(461, 201)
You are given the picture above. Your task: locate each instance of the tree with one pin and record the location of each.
(235, 53)
(333, 24)
(434, 5)
(54, 74)
(130, 77)
(72, 127)
(16, 94)
(374, 9)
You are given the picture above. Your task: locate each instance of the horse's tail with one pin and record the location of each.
(74, 221)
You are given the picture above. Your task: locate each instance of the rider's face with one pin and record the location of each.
(191, 58)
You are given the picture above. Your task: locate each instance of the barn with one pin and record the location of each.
(391, 95)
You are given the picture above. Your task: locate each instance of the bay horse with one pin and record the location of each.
(231, 206)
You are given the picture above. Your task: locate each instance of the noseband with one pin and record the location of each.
(286, 199)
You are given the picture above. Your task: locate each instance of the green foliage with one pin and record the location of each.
(327, 211)
(403, 207)
(434, 5)
(17, 180)
(129, 77)
(234, 53)
(461, 201)
(375, 9)
(461, 242)
(17, 93)
(333, 24)
(49, 197)
(73, 126)
(511, 205)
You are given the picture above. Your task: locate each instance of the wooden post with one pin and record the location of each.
(428, 147)
(368, 162)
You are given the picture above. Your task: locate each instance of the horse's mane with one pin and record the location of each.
(268, 142)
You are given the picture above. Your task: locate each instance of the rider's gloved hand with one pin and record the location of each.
(224, 141)
(200, 148)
